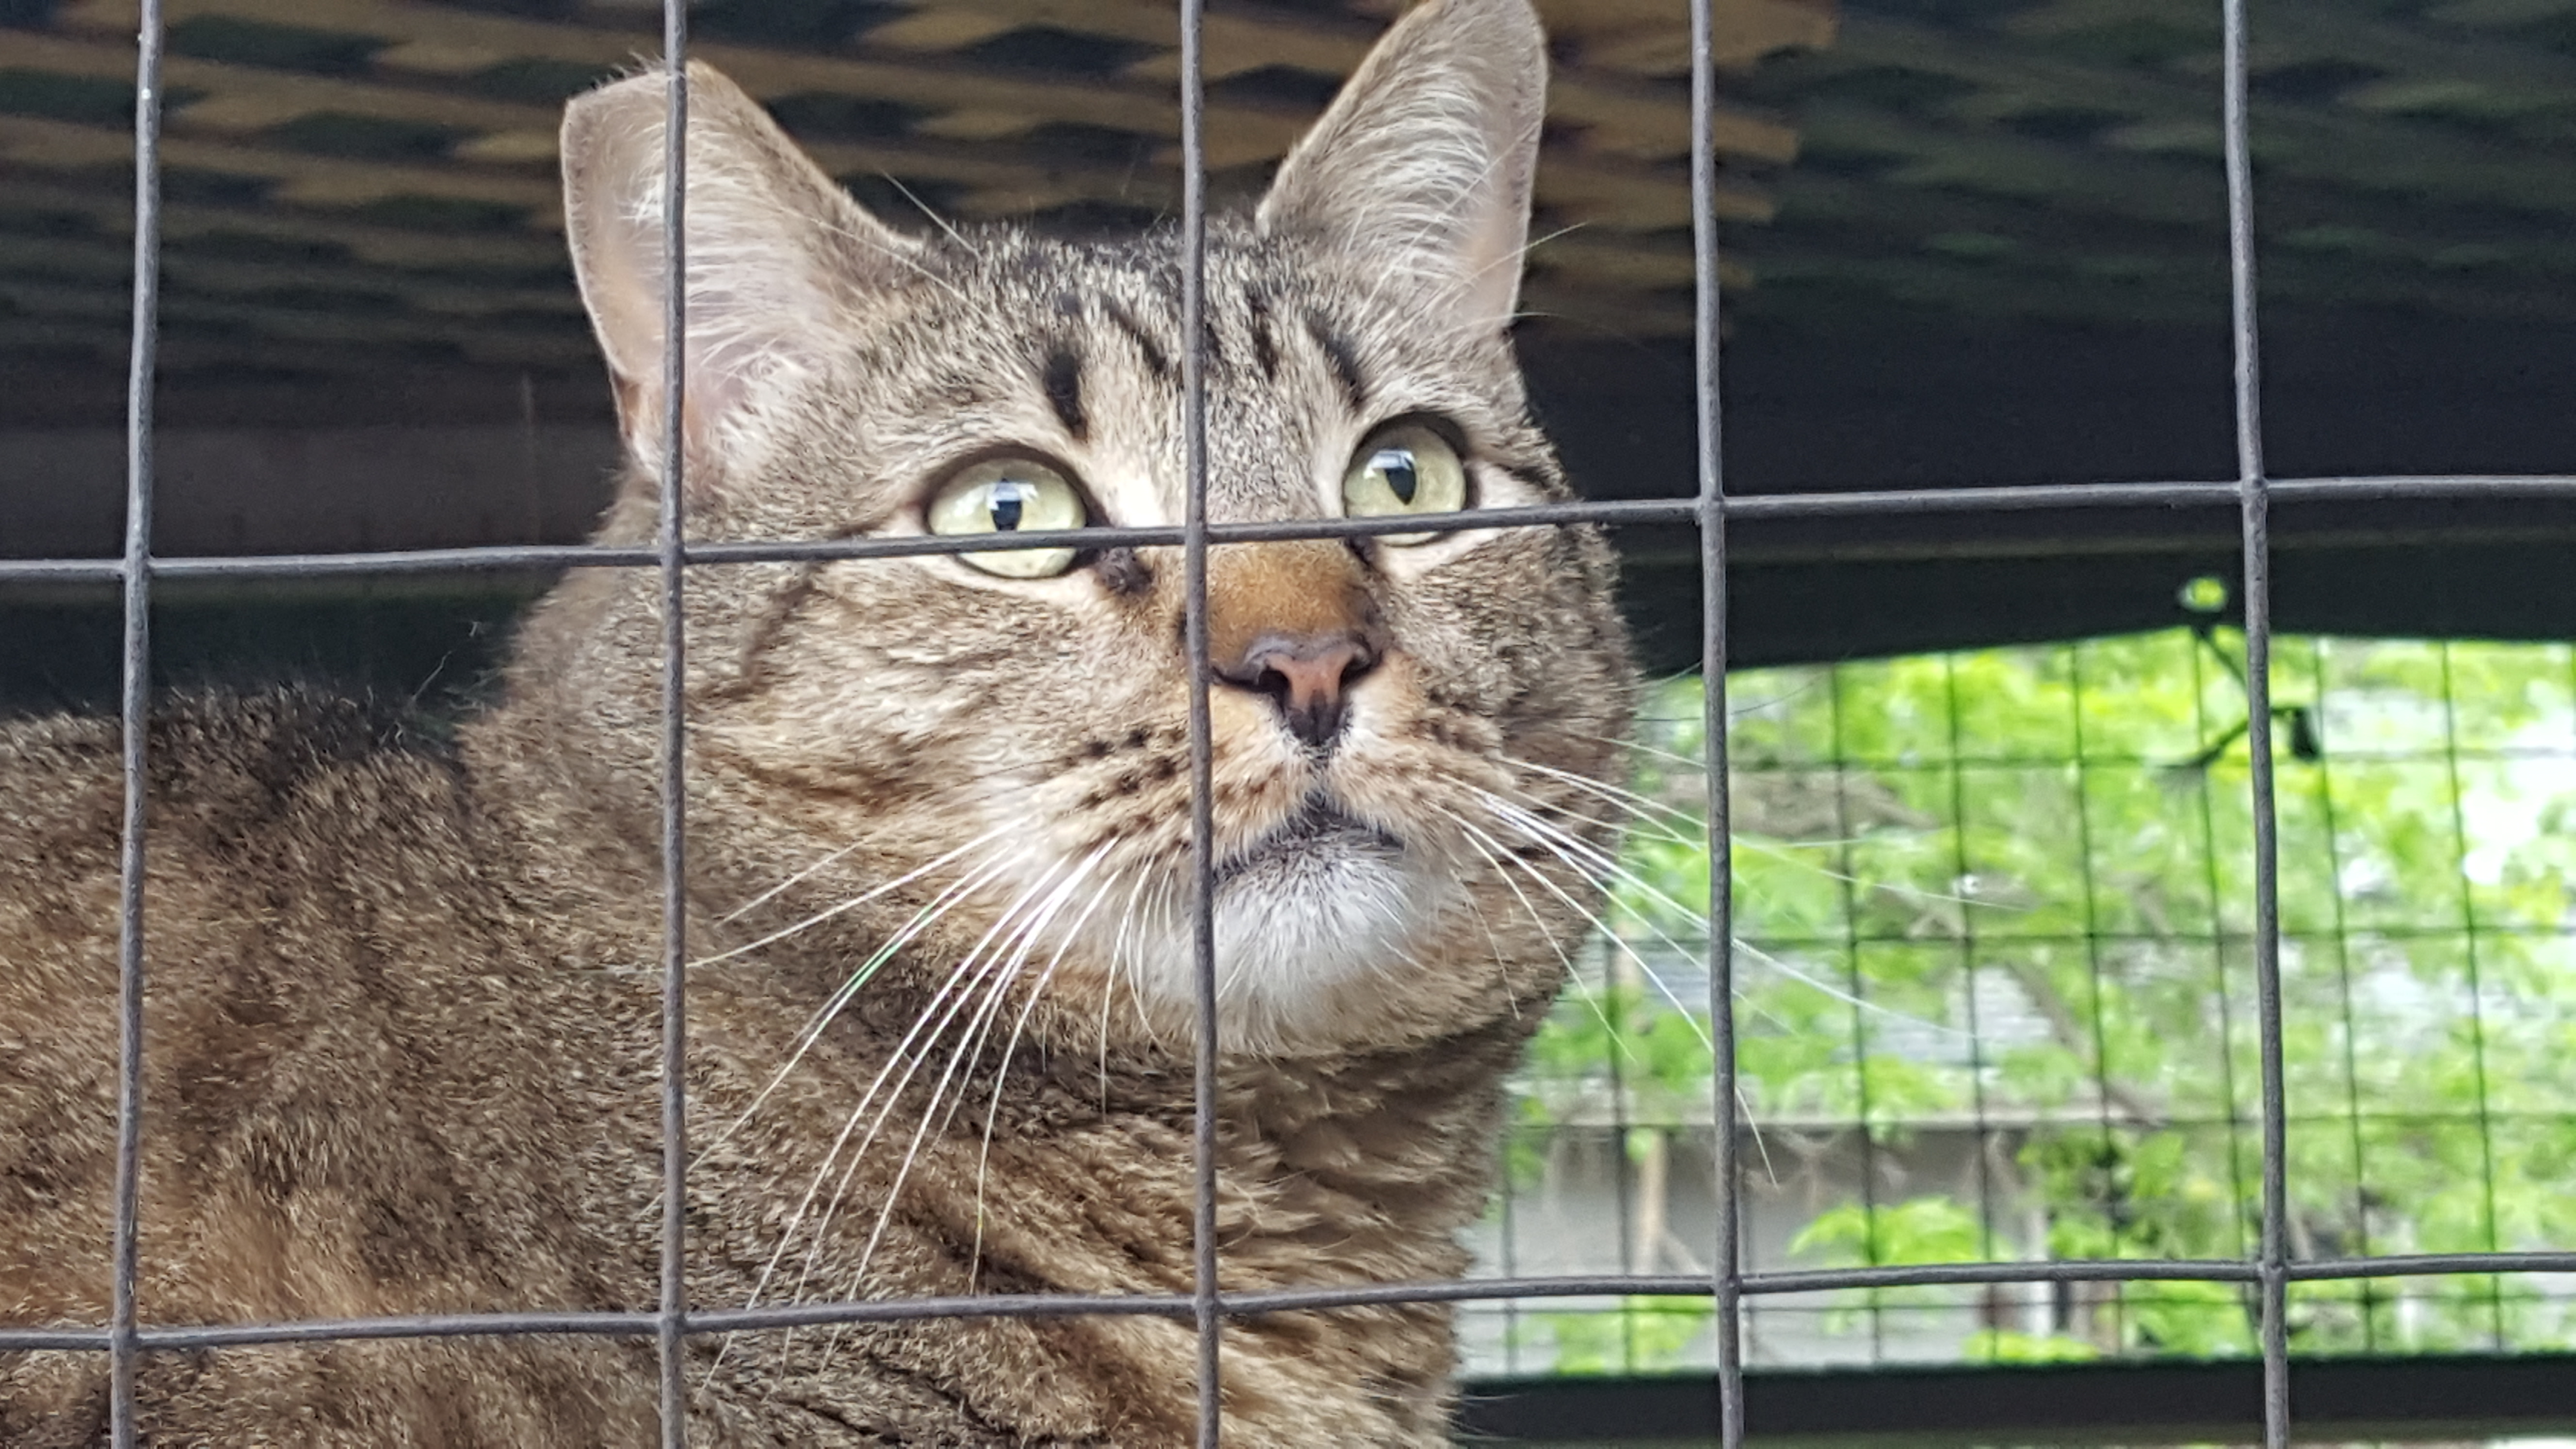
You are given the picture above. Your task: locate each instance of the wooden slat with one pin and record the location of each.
(1598, 190)
(85, 261)
(299, 176)
(436, 40)
(245, 98)
(108, 342)
(442, 41)
(475, 337)
(112, 209)
(2321, 144)
(1652, 37)
(1626, 117)
(1610, 180)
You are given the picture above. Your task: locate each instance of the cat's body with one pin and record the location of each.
(403, 1032)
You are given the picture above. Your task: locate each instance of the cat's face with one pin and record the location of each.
(1403, 727)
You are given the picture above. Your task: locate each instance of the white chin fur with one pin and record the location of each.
(1292, 933)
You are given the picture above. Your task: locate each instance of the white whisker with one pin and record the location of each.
(821, 1019)
(993, 984)
(1617, 943)
(853, 903)
(893, 1060)
(1612, 869)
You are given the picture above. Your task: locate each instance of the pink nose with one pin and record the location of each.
(1305, 678)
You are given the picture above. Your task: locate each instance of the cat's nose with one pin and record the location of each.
(1293, 621)
(1306, 677)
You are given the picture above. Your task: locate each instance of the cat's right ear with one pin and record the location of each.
(777, 255)
(1422, 167)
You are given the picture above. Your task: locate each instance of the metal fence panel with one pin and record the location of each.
(674, 1322)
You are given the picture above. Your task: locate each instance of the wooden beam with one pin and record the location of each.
(298, 176)
(477, 338)
(85, 261)
(1652, 37)
(2522, 77)
(1624, 116)
(111, 209)
(2368, 153)
(510, 161)
(435, 40)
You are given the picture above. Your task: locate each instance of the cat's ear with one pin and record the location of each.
(1423, 164)
(777, 255)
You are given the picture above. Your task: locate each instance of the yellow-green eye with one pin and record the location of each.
(1009, 495)
(1406, 469)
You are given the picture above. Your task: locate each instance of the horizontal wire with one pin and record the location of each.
(1876, 503)
(1285, 1300)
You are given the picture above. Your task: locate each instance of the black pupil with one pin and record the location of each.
(1009, 498)
(1396, 466)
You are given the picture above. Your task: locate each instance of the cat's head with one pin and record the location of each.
(1406, 728)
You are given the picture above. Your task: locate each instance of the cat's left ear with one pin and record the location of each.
(1422, 167)
(778, 256)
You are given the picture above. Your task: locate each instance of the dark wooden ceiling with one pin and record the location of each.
(1968, 241)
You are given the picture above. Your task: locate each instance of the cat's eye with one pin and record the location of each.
(1407, 468)
(1009, 495)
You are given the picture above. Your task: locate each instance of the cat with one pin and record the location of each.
(402, 1032)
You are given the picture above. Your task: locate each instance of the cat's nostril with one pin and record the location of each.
(1305, 678)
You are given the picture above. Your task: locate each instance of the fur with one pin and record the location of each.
(402, 1034)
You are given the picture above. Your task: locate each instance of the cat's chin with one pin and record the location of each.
(1321, 905)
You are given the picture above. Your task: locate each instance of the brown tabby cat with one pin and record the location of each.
(402, 1032)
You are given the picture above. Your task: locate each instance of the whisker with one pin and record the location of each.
(1001, 1075)
(853, 903)
(1616, 1036)
(893, 1060)
(939, 907)
(993, 984)
(1615, 870)
(924, 207)
(1647, 806)
(1778, 850)
(1617, 1039)
(821, 1019)
(1007, 927)
(1617, 943)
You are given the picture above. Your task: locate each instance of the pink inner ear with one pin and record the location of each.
(705, 398)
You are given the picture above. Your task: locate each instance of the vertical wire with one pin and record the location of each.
(1511, 1254)
(1622, 1189)
(671, 1330)
(134, 716)
(1727, 1269)
(1959, 874)
(2092, 961)
(1194, 545)
(2218, 963)
(1847, 871)
(2256, 526)
(2343, 983)
(2477, 987)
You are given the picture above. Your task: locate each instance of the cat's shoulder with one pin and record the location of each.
(219, 763)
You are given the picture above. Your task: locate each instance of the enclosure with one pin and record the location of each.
(2093, 484)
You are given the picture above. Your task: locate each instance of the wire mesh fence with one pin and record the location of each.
(2262, 1255)
(1992, 933)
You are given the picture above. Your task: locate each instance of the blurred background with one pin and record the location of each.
(1993, 856)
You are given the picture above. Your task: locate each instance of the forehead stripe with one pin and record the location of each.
(1157, 361)
(1344, 359)
(1062, 378)
(1265, 351)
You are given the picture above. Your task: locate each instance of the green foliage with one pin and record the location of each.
(1639, 1336)
(1920, 1230)
(2015, 885)
(2004, 1345)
